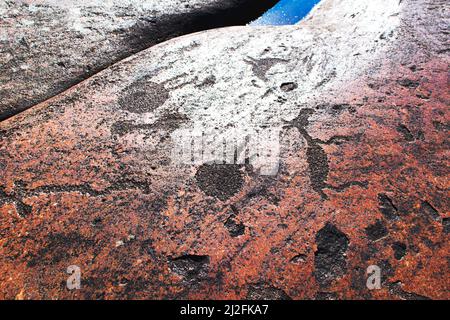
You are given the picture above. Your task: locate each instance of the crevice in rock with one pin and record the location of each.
(387, 207)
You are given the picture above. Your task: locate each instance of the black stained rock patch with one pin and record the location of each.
(399, 250)
(262, 291)
(315, 155)
(407, 135)
(427, 210)
(438, 126)
(446, 225)
(318, 167)
(22, 208)
(336, 108)
(376, 231)
(191, 267)
(358, 278)
(260, 67)
(168, 122)
(387, 207)
(92, 287)
(302, 121)
(208, 82)
(396, 289)
(329, 259)
(121, 128)
(298, 258)
(288, 86)
(235, 228)
(60, 247)
(143, 96)
(387, 271)
(408, 83)
(220, 180)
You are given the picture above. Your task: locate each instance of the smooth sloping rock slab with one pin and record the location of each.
(46, 46)
(359, 94)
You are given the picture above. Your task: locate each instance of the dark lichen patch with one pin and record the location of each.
(387, 207)
(156, 206)
(171, 121)
(318, 167)
(407, 135)
(288, 86)
(121, 128)
(302, 121)
(336, 140)
(424, 95)
(220, 180)
(143, 96)
(376, 231)
(262, 291)
(260, 67)
(168, 122)
(147, 248)
(234, 227)
(437, 125)
(408, 83)
(208, 82)
(387, 271)
(134, 286)
(191, 267)
(92, 286)
(329, 259)
(399, 250)
(446, 225)
(427, 210)
(358, 278)
(337, 108)
(315, 155)
(61, 247)
(23, 210)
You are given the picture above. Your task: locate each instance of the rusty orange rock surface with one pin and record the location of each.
(363, 180)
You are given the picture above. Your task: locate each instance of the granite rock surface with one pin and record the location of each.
(47, 46)
(357, 95)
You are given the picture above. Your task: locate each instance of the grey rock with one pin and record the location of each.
(46, 46)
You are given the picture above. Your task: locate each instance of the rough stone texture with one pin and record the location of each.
(46, 46)
(88, 178)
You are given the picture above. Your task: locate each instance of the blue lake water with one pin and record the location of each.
(286, 12)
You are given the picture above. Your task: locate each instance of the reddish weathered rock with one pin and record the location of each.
(89, 179)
